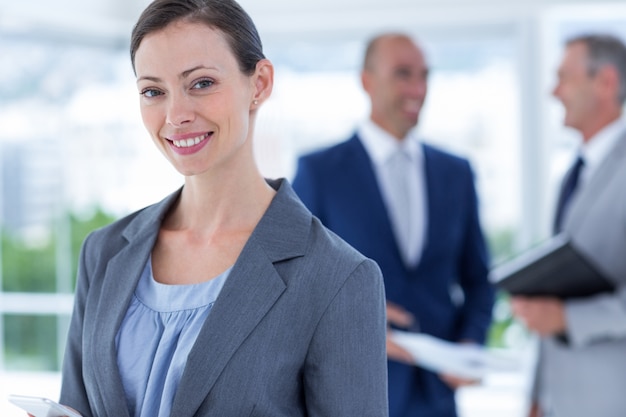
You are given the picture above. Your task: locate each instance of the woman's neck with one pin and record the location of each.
(216, 205)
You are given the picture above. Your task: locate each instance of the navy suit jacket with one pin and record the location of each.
(339, 186)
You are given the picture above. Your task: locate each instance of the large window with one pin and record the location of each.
(557, 25)
(75, 156)
(472, 109)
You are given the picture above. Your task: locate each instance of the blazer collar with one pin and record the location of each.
(359, 164)
(284, 211)
(122, 273)
(358, 171)
(589, 194)
(251, 290)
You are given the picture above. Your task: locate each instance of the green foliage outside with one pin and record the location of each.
(28, 268)
(501, 245)
(31, 340)
(80, 228)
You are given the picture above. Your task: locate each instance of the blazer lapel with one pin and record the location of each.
(434, 197)
(590, 193)
(122, 274)
(251, 290)
(357, 173)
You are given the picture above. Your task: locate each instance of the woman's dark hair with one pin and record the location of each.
(226, 16)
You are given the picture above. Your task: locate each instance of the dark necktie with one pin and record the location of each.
(568, 189)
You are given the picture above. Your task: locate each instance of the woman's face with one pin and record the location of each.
(195, 101)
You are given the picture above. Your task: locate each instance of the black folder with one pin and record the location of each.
(553, 268)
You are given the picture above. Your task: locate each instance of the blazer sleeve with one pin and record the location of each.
(598, 318)
(336, 382)
(597, 224)
(479, 293)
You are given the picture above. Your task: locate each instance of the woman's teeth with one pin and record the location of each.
(186, 143)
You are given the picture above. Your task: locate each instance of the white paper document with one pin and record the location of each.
(458, 359)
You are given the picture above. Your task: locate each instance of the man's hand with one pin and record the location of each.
(399, 317)
(535, 410)
(544, 315)
(397, 353)
(455, 382)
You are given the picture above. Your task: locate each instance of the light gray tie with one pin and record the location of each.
(400, 168)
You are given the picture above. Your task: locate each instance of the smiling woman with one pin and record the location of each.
(179, 305)
(191, 98)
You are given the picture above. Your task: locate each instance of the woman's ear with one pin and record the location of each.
(263, 81)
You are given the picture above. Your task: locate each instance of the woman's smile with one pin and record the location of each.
(187, 88)
(189, 143)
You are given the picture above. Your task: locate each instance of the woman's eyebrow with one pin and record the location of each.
(184, 74)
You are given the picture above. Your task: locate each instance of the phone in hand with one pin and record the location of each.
(42, 407)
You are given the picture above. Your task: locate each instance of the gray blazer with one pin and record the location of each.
(587, 375)
(298, 329)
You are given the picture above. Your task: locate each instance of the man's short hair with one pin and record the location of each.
(605, 49)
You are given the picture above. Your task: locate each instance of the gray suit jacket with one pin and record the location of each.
(587, 375)
(298, 329)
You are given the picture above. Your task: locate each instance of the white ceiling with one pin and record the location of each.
(113, 19)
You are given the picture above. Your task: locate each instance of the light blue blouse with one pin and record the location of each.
(156, 335)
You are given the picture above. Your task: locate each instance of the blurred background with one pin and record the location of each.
(74, 154)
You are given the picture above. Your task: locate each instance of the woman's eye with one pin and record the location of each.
(202, 84)
(149, 92)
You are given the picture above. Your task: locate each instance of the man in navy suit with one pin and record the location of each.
(413, 209)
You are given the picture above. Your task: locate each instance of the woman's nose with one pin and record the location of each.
(180, 110)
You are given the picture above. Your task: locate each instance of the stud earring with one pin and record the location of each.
(255, 102)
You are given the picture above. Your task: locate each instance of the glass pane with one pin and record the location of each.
(30, 342)
(472, 109)
(26, 266)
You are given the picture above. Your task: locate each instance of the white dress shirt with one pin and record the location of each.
(598, 147)
(381, 147)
